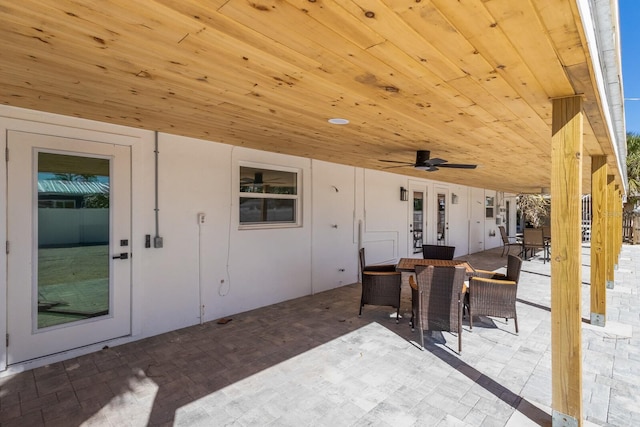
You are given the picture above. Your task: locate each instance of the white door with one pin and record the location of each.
(334, 258)
(69, 226)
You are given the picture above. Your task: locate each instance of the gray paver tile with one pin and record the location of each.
(313, 361)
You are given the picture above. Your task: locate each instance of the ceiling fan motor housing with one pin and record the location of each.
(422, 157)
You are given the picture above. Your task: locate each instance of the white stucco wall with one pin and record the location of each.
(206, 271)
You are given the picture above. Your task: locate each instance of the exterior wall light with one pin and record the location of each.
(404, 194)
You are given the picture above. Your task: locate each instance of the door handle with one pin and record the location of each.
(123, 255)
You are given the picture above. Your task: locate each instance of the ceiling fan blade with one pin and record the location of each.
(457, 165)
(394, 161)
(399, 166)
(435, 162)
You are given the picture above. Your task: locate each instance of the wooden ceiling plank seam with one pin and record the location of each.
(484, 33)
(533, 44)
(555, 16)
(490, 75)
(69, 62)
(334, 15)
(178, 55)
(145, 52)
(505, 108)
(369, 65)
(394, 30)
(389, 129)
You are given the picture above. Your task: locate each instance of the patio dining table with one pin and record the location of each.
(408, 265)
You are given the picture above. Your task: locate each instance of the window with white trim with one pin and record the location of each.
(269, 197)
(489, 206)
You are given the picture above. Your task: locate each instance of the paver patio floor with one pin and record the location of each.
(313, 362)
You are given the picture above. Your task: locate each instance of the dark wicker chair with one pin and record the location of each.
(438, 252)
(381, 288)
(507, 241)
(381, 284)
(414, 301)
(379, 267)
(494, 294)
(438, 300)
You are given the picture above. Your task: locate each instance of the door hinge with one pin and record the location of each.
(7, 340)
(7, 247)
(6, 154)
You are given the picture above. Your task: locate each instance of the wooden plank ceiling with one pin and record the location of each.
(469, 80)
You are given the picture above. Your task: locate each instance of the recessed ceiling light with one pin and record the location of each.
(337, 121)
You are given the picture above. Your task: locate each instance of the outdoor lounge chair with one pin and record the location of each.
(494, 294)
(439, 300)
(438, 252)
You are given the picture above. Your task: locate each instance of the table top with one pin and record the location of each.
(409, 264)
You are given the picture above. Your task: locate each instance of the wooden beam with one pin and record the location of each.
(611, 250)
(598, 240)
(566, 266)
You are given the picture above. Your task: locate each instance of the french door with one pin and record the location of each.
(69, 226)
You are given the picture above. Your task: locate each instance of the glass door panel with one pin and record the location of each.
(73, 238)
(418, 221)
(441, 219)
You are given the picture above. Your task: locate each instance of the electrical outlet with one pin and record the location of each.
(201, 217)
(157, 242)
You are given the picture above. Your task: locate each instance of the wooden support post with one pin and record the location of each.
(611, 250)
(566, 263)
(598, 240)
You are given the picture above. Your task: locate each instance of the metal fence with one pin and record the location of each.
(586, 218)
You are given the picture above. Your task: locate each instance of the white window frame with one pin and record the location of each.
(490, 206)
(297, 222)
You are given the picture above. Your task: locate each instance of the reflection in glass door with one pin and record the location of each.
(73, 238)
(418, 221)
(441, 220)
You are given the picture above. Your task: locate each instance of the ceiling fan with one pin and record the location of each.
(423, 162)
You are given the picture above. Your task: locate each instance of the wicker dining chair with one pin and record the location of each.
(439, 300)
(379, 267)
(507, 241)
(533, 239)
(494, 294)
(381, 288)
(381, 284)
(438, 252)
